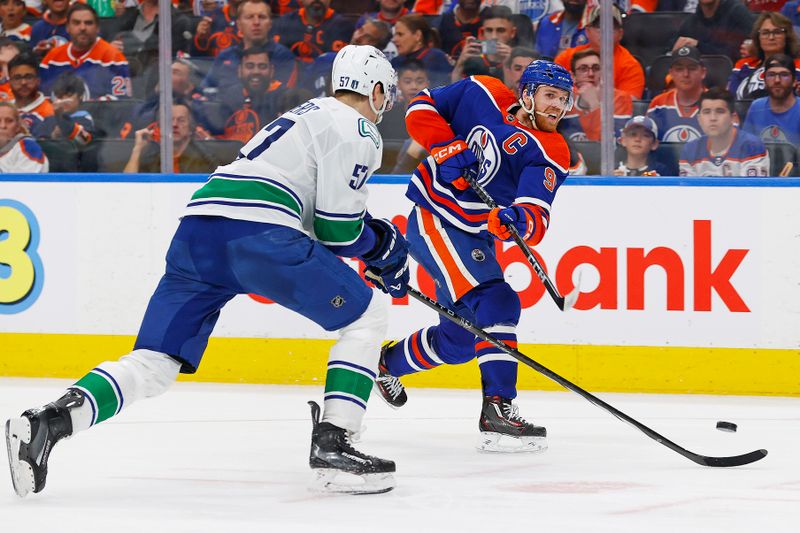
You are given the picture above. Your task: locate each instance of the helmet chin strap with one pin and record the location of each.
(378, 112)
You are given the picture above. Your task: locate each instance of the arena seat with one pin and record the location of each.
(590, 150)
(669, 155)
(62, 154)
(647, 35)
(640, 107)
(779, 155)
(221, 152)
(110, 115)
(113, 154)
(742, 107)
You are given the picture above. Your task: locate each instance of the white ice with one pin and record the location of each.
(234, 458)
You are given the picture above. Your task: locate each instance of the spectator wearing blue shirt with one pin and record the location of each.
(776, 117)
(561, 30)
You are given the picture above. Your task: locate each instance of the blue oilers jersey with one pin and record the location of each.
(673, 125)
(746, 156)
(517, 164)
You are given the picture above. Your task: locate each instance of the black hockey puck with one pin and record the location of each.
(726, 426)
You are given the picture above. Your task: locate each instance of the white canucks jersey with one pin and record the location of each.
(746, 156)
(305, 170)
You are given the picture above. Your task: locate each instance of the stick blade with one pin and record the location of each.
(736, 460)
(572, 297)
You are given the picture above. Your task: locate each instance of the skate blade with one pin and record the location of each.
(332, 481)
(499, 443)
(376, 389)
(18, 430)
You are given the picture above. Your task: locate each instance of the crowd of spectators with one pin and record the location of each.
(79, 78)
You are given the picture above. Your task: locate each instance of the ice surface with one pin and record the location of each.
(234, 458)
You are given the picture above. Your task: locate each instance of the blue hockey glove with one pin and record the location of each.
(388, 260)
(526, 219)
(454, 160)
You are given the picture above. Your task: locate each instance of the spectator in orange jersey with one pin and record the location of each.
(33, 106)
(582, 123)
(628, 73)
(313, 30)
(254, 103)
(187, 155)
(103, 68)
(14, 27)
(19, 152)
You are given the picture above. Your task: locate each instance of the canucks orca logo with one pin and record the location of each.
(681, 134)
(482, 142)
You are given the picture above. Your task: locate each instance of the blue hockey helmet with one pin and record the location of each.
(542, 72)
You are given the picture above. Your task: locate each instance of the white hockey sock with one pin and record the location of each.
(113, 385)
(353, 365)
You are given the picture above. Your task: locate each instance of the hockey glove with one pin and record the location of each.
(454, 160)
(526, 219)
(388, 260)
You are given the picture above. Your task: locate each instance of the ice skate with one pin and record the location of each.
(504, 430)
(340, 468)
(389, 387)
(31, 437)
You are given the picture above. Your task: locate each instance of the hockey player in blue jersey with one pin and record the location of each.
(479, 125)
(273, 222)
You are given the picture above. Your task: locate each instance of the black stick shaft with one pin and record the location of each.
(522, 358)
(537, 267)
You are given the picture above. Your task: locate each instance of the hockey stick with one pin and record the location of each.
(704, 460)
(565, 303)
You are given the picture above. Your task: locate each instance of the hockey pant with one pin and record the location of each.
(211, 260)
(469, 281)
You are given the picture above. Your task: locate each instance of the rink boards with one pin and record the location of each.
(687, 286)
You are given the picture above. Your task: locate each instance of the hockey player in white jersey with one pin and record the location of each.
(273, 222)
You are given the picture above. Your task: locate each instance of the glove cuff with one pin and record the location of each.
(443, 153)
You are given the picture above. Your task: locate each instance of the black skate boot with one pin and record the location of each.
(503, 430)
(31, 437)
(391, 390)
(338, 467)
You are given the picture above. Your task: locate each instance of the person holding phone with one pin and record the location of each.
(497, 36)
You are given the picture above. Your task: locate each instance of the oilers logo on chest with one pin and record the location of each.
(484, 145)
(681, 133)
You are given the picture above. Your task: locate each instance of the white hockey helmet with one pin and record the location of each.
(358, 68)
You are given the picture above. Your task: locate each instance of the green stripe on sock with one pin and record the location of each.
(103, 393)
(342, 380)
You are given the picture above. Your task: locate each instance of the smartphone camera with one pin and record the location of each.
(489, 47)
